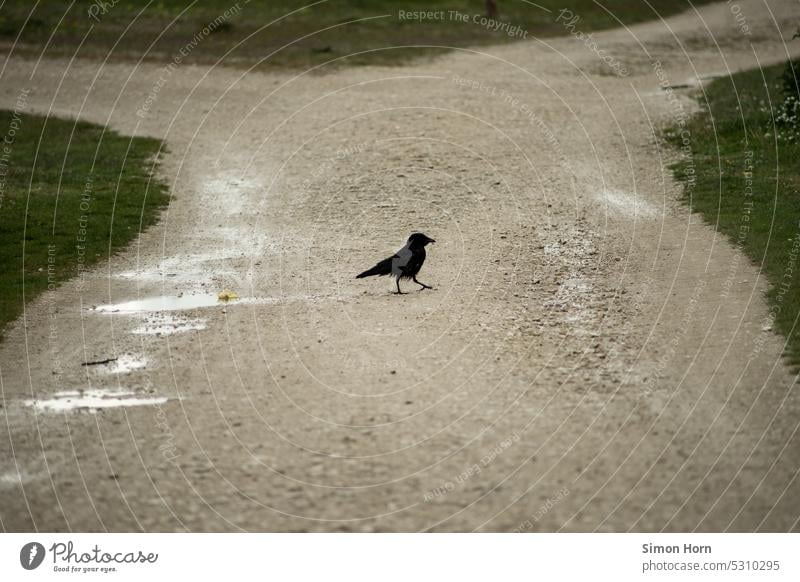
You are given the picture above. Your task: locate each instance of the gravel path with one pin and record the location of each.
(592, 357)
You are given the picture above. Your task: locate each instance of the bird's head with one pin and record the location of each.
(419, 240)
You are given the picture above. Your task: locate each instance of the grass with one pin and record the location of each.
(158, 30)
(738, 130)
(60, 182)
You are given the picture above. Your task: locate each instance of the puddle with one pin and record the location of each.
(186, 302)
(172, 303)
(125, 363)
(168, 325)
(628, 204)
(118, 365)
(93, 400)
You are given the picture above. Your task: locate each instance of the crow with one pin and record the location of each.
(405, 264)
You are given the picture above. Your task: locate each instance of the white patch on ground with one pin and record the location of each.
(200, 266)
(165, 324)
(126, 363)
(163, 303)
(229, 253)
(628, 204)
(576, 284)
(11, 479)
(567, 300)
(230, 192)
(93, 400)
(225, 195)
(177, 303)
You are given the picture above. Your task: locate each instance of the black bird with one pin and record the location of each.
(405, 264)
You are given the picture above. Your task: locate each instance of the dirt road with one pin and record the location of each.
(592, 357)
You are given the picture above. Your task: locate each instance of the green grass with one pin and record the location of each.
(85, 179)
(131, 30)
(739, 118)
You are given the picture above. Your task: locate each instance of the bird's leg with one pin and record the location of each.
(423, 285)
(398, 287)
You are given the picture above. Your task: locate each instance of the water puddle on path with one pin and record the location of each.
(93, 400)
(164, 303)
(179, 303)
(124, 364)
(190, 301)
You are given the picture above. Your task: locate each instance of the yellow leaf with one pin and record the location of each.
(227, 295)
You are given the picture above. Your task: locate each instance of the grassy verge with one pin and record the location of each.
(166, 28)
(70, 194)
(747, 183)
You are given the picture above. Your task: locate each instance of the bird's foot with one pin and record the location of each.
(421, 284)
(399, 293)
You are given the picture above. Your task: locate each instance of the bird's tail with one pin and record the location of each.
(369, 272)
(382, 268)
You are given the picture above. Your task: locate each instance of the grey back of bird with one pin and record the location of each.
(400, 261)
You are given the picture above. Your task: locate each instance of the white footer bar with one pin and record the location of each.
(401, 557)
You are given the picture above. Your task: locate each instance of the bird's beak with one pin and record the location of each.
(430, 240)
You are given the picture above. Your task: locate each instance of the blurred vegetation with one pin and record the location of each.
(739, 132)
(72, 194)
(788, 117)
(292, 33)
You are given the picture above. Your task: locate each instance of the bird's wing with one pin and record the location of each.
(396, 265)
(401, 260)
